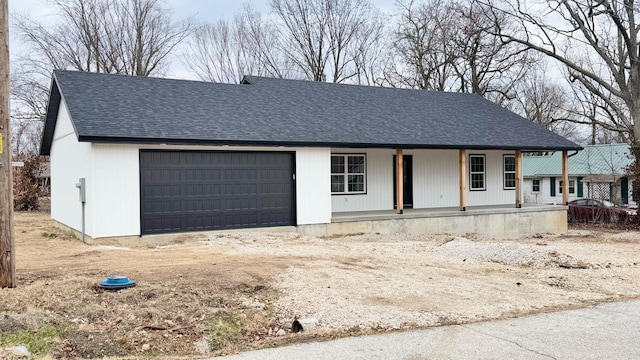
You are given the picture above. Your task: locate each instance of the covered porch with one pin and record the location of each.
(465, 176)
(366, 180)
(453, 191)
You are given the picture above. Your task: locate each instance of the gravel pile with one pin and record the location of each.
(463, 249)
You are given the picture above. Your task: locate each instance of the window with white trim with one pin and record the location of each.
(477, 172)
(535, 185)
(509, 167)
(348, 174)
(572, 187)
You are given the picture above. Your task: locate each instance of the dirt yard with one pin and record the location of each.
(221, 293)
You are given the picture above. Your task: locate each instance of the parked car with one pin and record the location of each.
(592, 210)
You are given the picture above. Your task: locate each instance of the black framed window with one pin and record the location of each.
(535, 185)
(572, 187)
(348, 174)
(477, 172)
(509, 167)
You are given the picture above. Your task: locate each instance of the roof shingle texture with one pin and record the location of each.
(290, 112)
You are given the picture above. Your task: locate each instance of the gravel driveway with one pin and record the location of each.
(401, 281)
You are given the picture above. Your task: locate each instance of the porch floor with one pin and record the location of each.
(338, 217)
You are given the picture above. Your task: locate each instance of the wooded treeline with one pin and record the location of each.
(569, 65)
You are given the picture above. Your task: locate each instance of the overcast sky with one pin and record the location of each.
(204, 10)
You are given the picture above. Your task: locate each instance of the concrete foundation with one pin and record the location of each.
(497, 223)
(163, 239)
(494, 222)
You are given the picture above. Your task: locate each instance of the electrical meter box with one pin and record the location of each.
(81, 185)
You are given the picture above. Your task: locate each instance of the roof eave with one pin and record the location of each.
(53, 106)
(218, 142)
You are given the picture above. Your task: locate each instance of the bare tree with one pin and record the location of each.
(134, 37)
(546, 103)
(590, 110)
(424, 45)
(29, 93)
(597, 42)
(224, 51)
(370, 52)
(487, 66)
(325, 38)
(450, 45)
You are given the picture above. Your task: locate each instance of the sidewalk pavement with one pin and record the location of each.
(606, 331)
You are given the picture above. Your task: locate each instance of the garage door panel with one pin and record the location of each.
(200, 190)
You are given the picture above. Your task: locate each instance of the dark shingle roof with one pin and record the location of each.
(265, 111)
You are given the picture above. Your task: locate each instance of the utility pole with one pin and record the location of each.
(7, 246)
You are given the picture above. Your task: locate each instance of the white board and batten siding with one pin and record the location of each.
(116, 190)
(379, 183)
(435, 181)
(495, 194)
(313, 186)
(435, 178)
(112, 173)
(70, 160)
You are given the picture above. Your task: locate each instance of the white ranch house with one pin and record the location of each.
(159, 156)
(597, 172)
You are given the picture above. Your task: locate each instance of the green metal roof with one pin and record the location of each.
(606, 159)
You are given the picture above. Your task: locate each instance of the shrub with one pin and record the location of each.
(26, 186)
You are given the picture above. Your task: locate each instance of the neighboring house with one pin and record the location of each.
(166, 156)
(598, 171)
(44, 178)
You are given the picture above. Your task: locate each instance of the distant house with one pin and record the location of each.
(158, 156)
(44, 178)
(598, 171)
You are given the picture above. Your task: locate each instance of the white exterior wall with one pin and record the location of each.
(70, 160)
(435, 180)
(495, 194)
(379, 178)
(544, 195)
(116, 190)
(313, 186)
(112, 172)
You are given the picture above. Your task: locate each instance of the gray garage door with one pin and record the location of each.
(210, 190)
